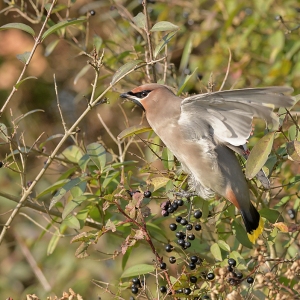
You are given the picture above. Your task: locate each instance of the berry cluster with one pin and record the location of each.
(235, 275)
(136, 284)
(147, 194)
(185, 237)
(168, 207)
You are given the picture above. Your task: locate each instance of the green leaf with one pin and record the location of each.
(61, 25)
(259, 155)
(53, 242)
(63, 190)
(20, 82)
(72, 222)
(125, 257)
(97, 42)
(109, 178)
(23, 57)
(140, 20)
(27, 114)
(271, 215)
(97, 154)
(72, 153)
(164, 26)
(52, 137)
(168, 159)
(3, 132)
(79, 189)
(53, 188)
(82, 72)
(72, 205)
(137, 129)
(50, 47)
(283, 201)
(165, 40)
(216, 251)
(138, 270)
(293, 150)
(187, 78)
(83, 162)
(241, 264)
(124, 70)
(186, 53)
(56, 8)
(241, 234)
(158, 182)
(20, 26)
(223, 245)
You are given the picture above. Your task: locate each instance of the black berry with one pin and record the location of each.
(194, 259)
(180, 235)
(169, 248)
(136, 281)
(179, 291)
(163, 289)
(232, 262)
(198, 214)
(205, 297)
(187, 291)
(163, 266)
(210, 276)
(189, 226)
(178, 219)
(1, 164)
(197, 227)
(172, 260)
(173, 226)
(180, 202)
(191, 237)
(192, 266)
(229, 269)
(171, 209)
(175, 206)
(187, 244)
(134, 290)
(183, 222)
(147, 194)
(181, 242)
(92, 12)
(239, 275)
(193, 279)
(250, 280)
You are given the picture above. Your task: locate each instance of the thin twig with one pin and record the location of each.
(148, 34)
(89, 222)
(33, 264)
(58, 105)
(227, 71)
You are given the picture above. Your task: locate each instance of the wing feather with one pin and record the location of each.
(229, 114)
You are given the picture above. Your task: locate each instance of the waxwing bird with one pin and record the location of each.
(204, 132)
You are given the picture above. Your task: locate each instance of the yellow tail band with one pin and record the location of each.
(253, 236)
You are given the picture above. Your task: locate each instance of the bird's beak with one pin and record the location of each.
(130, 96)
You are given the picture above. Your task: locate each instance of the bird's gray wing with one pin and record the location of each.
(229, 114)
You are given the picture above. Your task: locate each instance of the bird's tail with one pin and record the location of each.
(253, 222)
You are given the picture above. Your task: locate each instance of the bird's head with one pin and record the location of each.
(147, 95)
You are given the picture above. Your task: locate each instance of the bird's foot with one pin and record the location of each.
(184, 194)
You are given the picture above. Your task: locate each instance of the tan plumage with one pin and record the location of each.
(202, 131)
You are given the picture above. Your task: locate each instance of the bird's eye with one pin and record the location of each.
(144, 93)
